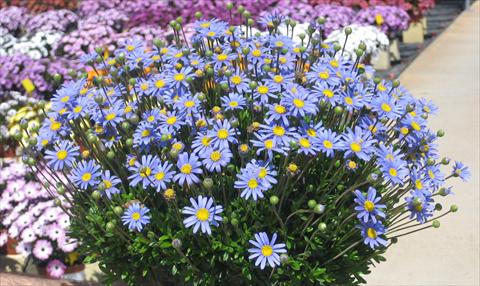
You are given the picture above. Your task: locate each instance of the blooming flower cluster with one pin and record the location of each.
(197, 150)
(390, 19)
(371, 37)
(32, 216)
(11, 103)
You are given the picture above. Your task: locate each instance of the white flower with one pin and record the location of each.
(372, 37)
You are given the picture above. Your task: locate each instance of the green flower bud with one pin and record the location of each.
(348, 31)
(337, 47)
(207, 183)
(337, 164)
(198, 15)
(31, 161)
(179, 20)
(246, 14)
(453, 208)
(229, 6)
(17, 136)
(241, 9)
(173, 153)
(436, 224)
(231, 168)
(92, 138)
(32, 141)
(99, 50)
(440, 133)
(266, 68)
(445, 161)
(283, 258)
(430, 162)
(118, 210)
(99, 99)
(396, 83)
(57, 202)
(57, 77)
(101, 187)
(245, 51)
(35, 128)
(210, 71)
(377, 80)
(252, 85)
(110, 227)
(362, 46)
(134, 119)
(312, 204)
(110, 155)
(322, 226)
(129, 142)
(250, 22)
(177, 243)
(438, 207)
(301, 36)
(157, 43)
(321, 20)
(96, 195)
(410, 108)
(319, 208)
(172, 23)
(340, 187)
(60, 190)
(24, 124)
(338, 110)
(274, 200)
(125, 126)
(359, 52)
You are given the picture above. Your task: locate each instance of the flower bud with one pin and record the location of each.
(438, 207)
(96, 195)
(118, 210)
(337, 47)
(322, 226)
(283, 258)
(24, 124)
(173, 153)
(396, 83)
(321, 20)
(453, 208)
(430, 162)
(198, 15)
(57, 202)
(17, 136)
(312, 204)
(176, 243)
(234, 221)
(338, 110)
(207, 183)
(274, 200)
(31, 161)
(348, 31)
(445, 161)
(129, 142)
(436, 224)
(362, 46)
(60, 190)
(241, 9)
(252, 85)
(110, 227)
(229, 6)
(110, 155)
(319, 208)
(134, 119)
(440, 133)
(57, 77)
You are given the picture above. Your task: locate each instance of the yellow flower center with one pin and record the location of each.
(169, 193)
(159, 176)
(177, 146)
(371, 233)
(186, 169)
(107, 184)
(159, 83)
(145, 172)
(431, 174)
(304, 142)
(292, 167)
(269, 144)
(369, 206)
(355, 147)
(393, 172)
(65, 99)
(415, 126)
(136, 216)
(171, 120)
(205, 24)
(86, 177)
(203, 214)
(324, 75)
(215, 156)
(222, 57)
(189, 103)
(278, 130)
(222, 133)
(151, 118)
(280, 109)
(144, 86)
(262, 89)
(244, 148)
(211, 34)
(327, 144)
(386, 107)
(110, 116)
(179, 77)
(145, 133)
(311, 132)
(278, 78)
(404, 130)
(206, 141)
(130, 48)
(267, 250)
(233, 104)
(262, 173)
(299, 103)
(256, 53)
(348, 100)
(44, 142)
(55, 125)
(328, 93)
(352, 165)
(418, 184)
(77, 109)
(62, 154)
(252, 184)
(236, 79)
(132, 161)
(128, 109)
(334, 63)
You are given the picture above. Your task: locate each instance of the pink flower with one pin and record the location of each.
(68, 244)
(28, 235)
(42, 249)
(55, 232)
(56, 268)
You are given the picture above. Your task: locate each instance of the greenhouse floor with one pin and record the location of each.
(447, 72)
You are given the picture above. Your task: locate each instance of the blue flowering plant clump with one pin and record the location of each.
(240, 157)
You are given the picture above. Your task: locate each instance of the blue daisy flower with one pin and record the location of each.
(277, 113)
(269, 145)
(386, 106)
(143, 171)
(202, 143)
(396, 171)
(189, 167)
(357, 142)
(62, 156)
(328, 142)
(371, 233)
(239, 82)
(420, 205)
(233, 101)
(203, 213)
(215, 159)
(110, 182)
(368, 207)
(136, 217)
(460, 170)
(250, 184)
(300, 103)
(222, 134)
(86, 174)
(163, 175)
(265, 250)
(326, 93)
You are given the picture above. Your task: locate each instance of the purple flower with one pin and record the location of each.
(42, 249)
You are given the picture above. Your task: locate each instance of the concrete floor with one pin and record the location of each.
(447, 72)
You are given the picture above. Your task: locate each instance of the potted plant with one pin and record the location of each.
(240, 159)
